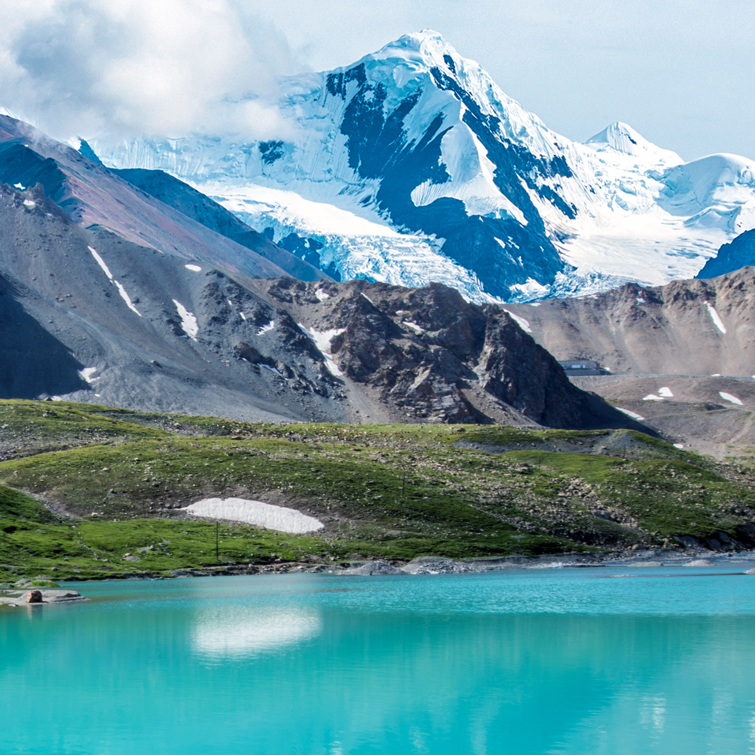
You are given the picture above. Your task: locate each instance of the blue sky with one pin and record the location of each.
(679, 72)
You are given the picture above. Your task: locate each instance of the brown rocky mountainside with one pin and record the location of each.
(681, 355)
(428, 355)
(691, 327)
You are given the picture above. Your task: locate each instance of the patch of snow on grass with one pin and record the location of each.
(717, 321)
(266, 328)
(86, 374)
(680, 446)
(188, 321)
(126, 298)
(730, 398)
(278, 518)
(520, 321)
(193, 268)
(665, 392)
(633, 415)
(322, 340)
(652, 397)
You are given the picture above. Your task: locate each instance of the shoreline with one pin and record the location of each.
(429, 565)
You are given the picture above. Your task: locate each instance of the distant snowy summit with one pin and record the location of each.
(412, 166)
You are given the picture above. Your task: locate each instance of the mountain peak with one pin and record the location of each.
(426, 47)
(622, 138)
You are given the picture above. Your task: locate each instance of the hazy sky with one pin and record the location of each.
(681, 73)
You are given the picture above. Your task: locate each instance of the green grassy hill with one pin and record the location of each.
(89, 491)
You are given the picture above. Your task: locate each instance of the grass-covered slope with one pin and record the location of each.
(90, 491)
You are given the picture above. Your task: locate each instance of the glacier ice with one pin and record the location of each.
(412, 166)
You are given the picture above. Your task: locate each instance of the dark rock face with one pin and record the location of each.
(429, 355)
(34, 596)
(669, 329)
(501, 251)
(732, 256)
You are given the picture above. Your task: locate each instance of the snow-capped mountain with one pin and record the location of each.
(412, 165)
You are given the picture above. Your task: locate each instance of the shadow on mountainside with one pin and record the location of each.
(34, 361)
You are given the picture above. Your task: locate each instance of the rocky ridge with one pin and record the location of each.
(93, 317)
(680, 356)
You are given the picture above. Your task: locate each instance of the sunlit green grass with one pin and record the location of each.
(113, 481)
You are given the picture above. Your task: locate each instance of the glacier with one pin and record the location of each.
(412, 166)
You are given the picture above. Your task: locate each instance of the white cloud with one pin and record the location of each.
(80, 67)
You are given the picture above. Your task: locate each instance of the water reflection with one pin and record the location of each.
(244, 631)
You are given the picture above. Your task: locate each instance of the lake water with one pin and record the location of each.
(575, 661)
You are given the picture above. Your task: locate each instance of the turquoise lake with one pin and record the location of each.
(535, 661)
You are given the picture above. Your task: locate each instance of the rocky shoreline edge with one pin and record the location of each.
(441, 565)
(18, 594)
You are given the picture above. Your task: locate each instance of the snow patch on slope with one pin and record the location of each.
(121, 289)
(265, 515)
(124, 295)
(87, 374)
(520, 321)
(717, 321)
(633, 415)
(322, 339)
(265, 328)
(188, 321)
(728, 397)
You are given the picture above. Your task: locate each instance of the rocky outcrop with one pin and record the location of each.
(428, 355)
(731, 257)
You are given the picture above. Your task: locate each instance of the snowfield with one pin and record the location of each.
(260, 514)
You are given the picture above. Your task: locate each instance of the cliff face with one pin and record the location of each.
(731, 257)
(427, 354)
